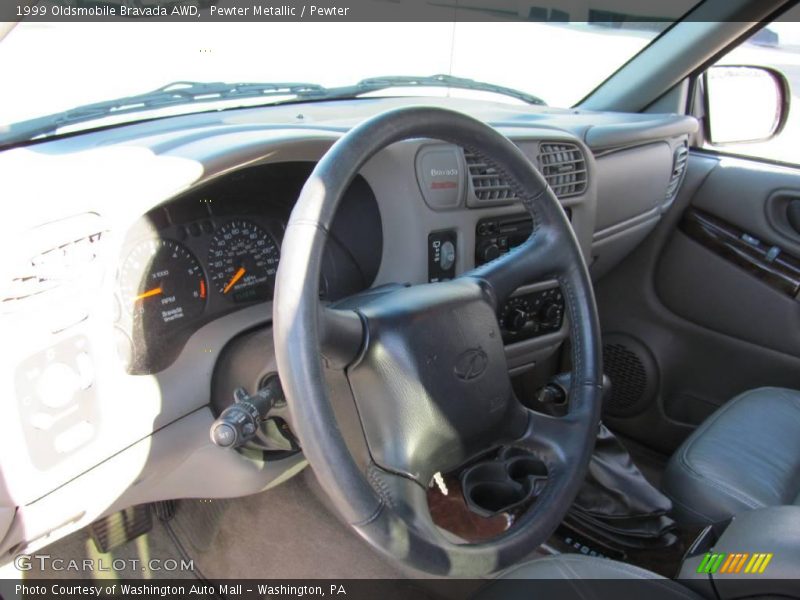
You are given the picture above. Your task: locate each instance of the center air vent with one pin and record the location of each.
(564, 168)
(486, 181)
(679, 160)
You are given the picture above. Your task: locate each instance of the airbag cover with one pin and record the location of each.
(431, 386)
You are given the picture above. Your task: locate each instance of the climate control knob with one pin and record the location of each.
(515, 315)
(550, 313)
(517, 319)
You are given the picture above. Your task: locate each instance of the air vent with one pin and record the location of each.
(52, 265)
(680, 158)
(486, 181)
(564, 167)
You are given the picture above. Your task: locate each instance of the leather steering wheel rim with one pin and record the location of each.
(386, 505)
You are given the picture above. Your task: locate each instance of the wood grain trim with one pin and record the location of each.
(768, 263)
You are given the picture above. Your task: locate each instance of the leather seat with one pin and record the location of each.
(744, 456)
(581, 577)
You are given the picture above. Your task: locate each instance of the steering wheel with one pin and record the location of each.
(426, 363)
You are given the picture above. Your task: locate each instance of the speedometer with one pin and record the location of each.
(242, 261)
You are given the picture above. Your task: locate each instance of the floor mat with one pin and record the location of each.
(287, 532)
(197, 522)
(284, 533)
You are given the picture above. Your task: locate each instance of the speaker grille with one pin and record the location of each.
(628, 379)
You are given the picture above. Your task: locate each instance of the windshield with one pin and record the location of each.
(53, 67)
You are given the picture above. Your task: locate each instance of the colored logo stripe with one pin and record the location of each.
(758, 563)
(734, 563)
(711, 562)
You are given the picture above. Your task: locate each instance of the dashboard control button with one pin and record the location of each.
(85, 370)
(447, 256)
(58, 414)
(550, 312)
(42, 421)
(223, 435)
(531, 314)
(73, 438)
(442, 255)
(489, 252)
(516, 314)
(57, 385)
(238, 423)
(517, 319)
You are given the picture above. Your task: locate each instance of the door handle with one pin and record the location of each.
(793, 214)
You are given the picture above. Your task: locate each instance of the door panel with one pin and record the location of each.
(706, 325)
(732, 268)
(712, 290)
(749, 194)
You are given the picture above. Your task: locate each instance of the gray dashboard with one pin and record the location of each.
(143, 437)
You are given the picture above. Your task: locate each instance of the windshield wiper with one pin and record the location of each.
(173, 94)
(376, 84)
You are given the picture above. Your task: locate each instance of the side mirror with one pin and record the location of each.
(745, 104)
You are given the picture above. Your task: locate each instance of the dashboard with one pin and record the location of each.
(216, 250)
(144, 263)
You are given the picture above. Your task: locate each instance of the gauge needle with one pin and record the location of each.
(148, 293)
(236, 277)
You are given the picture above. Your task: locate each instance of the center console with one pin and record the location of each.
(529, 313)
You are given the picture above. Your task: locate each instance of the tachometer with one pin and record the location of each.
(162, 285)
(242, 261)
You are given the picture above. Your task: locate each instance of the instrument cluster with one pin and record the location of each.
(217, 249)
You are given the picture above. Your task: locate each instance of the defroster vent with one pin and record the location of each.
(564, 167)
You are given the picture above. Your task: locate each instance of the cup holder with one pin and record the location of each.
(512, 479)
(520, 469)
(496, 496)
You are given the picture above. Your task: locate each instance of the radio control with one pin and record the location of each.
(526, 315)
(489, 252)
(497, 235)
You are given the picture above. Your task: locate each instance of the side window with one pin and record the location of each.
(755, 111)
